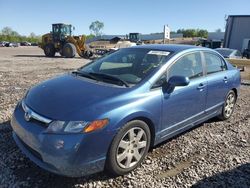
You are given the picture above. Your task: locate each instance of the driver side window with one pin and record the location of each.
(189, 66)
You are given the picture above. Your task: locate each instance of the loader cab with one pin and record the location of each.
(135, 37)
(61, 31)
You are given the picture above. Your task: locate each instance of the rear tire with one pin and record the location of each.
(129, 148)
(69, 50)
(229, 105)
(49, 50)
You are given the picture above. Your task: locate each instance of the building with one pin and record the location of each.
(237, 29)
(216, 36)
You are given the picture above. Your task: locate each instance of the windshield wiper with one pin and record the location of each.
(110, 77)
(85, 74)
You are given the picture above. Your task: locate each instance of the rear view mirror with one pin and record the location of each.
(175, 81)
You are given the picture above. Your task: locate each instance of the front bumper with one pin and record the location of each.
(72, 155)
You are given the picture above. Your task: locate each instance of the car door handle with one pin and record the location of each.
(201, 86)
(225, 79)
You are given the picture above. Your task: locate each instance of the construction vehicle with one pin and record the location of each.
(60, 40)
(135, 37)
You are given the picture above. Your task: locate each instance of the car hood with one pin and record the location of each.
(63, 97)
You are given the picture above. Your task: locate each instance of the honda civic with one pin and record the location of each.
(108, 113)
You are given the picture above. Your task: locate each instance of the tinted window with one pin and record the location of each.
(189, 66)
(214, 63)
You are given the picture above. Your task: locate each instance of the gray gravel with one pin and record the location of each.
(214, 154)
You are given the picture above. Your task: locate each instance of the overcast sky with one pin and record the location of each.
(119, 17)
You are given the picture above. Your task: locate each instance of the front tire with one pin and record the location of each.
(229, 105)
(129, 148)
(69, 50)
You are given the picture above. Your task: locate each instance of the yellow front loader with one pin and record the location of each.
(60, 40)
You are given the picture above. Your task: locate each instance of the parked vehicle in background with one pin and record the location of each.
(34, 44)
(15, 44)
(25, 43)
(8, 44)
(2, 44)
(108, 113)
(209, 43)
(229, 53)
(246, 48)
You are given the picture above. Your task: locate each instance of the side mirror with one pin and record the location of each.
(178, 81)
(175, 81)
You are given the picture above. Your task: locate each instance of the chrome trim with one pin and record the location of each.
(29, 114)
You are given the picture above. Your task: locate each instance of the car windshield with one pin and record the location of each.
(225, 52)
(129, 65)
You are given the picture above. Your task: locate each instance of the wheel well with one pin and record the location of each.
(151, 128)
(235, 91)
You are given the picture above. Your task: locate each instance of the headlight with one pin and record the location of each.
(76, 126)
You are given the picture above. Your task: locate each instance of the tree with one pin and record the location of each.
(32, 35)
(90, 36)
(189, 33)
(7, 34)
(96, 27)
(193, 32)
(6, 31)
(180, 31)
(202, 33)
(218, 30)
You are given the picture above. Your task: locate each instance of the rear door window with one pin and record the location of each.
(214, 63)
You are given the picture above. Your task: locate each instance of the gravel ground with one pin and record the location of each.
(214, 154)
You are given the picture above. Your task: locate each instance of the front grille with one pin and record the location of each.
(32, 151)
(34, 117)
(39, 123)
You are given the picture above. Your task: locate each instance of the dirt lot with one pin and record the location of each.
(214, 154)
(245, 75)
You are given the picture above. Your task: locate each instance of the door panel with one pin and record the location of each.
(217, 90)
(217, 82)
(184, 105)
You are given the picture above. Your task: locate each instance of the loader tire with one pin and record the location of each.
(69, 50)
(49, 50)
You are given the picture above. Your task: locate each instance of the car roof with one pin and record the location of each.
(168, 47)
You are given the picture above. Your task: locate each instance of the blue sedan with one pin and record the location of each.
(107, 114)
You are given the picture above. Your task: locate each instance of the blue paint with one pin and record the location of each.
(73, 98)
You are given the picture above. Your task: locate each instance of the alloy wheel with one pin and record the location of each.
(229, 106)
(131, 147)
